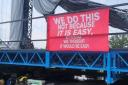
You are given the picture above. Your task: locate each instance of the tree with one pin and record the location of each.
(119, 41)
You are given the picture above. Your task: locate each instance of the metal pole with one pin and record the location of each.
(109, 79)
(47, 59)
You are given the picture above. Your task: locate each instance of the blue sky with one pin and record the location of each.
(39, 25)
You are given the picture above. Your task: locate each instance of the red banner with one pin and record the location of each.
(79, 31)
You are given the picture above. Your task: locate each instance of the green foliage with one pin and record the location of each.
(119, 41)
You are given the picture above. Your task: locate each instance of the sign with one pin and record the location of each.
(35, 82)
(79, 31)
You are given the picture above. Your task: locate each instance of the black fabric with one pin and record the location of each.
(118, 19)
(70, 6)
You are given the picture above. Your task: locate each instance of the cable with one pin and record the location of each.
(20, 20)
(38, 40)
(117, 5)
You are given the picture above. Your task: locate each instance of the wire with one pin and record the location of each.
(21, 20)
(38, 40)
(117, 5)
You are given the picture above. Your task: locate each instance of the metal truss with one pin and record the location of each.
(78, 60)
(120, 61)
(114, 63)
(27, 25)
(117, 64)
(27, 58)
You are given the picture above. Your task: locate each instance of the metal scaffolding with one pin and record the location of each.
(113, 62)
